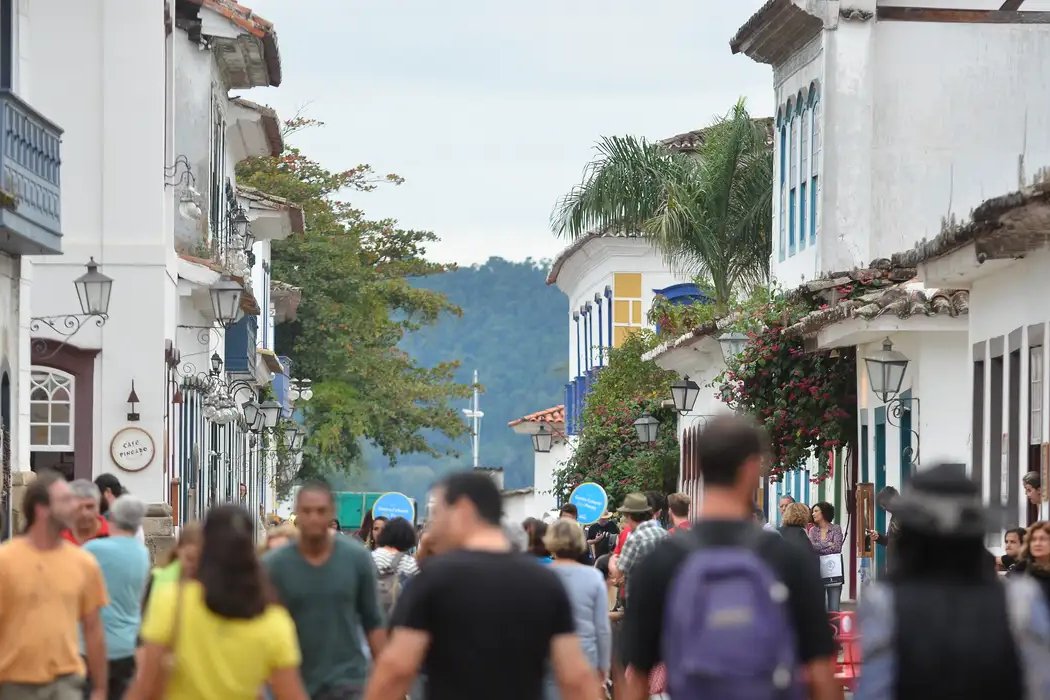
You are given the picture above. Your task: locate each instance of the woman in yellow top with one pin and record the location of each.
(224, 631)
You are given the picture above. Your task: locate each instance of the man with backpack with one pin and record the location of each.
(738, 611)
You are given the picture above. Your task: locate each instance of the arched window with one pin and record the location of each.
(50, 410)
(804, 165)
(782, 128)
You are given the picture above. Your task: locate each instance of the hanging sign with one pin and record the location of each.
(132, 449)
(591, 502)
(394, 505)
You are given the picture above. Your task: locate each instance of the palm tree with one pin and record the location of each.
(708, 211)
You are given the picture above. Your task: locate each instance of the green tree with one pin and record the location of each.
(711, 211)
(357, 306)
(609, 452)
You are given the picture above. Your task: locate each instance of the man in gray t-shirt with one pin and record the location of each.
(328, 584)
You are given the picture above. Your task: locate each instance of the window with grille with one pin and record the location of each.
(50, 411)
(627, 305)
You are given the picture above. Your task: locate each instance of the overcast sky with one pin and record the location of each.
(490, 110)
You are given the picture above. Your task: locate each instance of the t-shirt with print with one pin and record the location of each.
(490, 617)
(218, 658)
(43, 596)
(125, 567)
(334, 605)
(605, 544)
(795, 567)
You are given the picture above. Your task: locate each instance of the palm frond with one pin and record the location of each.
(620, 189)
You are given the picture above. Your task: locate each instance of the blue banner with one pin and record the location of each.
(590, 500)
(394, 505)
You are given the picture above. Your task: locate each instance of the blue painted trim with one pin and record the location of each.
(813, 207)
(601, 346)
(576, 319)
(791, 221)
(802, 216)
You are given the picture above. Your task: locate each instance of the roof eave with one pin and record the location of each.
(777, 30)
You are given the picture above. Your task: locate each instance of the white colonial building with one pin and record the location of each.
(867, 164)
(611, 281)
(151, 139)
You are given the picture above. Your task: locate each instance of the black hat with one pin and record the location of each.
(943, 501)
(108, 481)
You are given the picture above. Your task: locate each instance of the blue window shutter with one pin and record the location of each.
(813, 209)
(791, 222)
(802, 216)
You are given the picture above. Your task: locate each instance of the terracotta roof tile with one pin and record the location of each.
(295, 212)
(775, 31)
(691, 141)
(253, 24)
(549, 415)
(1001, 228)
(903, 301)
(270, 122)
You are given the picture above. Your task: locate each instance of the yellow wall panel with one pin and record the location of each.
(627, 284)
(619, 334)
(636, 312)
(621, 312)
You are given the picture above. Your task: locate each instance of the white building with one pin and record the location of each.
(866, 165)
(31, 203)
(151, 142)
(539, 498)
(611, 281)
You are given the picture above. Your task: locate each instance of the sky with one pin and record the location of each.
(490, 110)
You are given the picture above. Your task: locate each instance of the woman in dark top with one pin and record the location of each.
(796, 517)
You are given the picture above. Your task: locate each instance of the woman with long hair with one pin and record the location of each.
(180, 562)
(795, 519)
(536, 529)
(220, 636)
(826, 538)
(1034, 560)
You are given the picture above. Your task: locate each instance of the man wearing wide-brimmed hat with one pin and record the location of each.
(644, 536)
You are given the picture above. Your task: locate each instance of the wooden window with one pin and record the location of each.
(627, 305)
(1035, 395)
(50, 410)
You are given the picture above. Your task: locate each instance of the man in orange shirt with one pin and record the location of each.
(87, 522)
(49, 588)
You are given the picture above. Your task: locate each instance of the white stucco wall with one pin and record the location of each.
(12, 354)
(1000, 304)
(111, 103)
(544, 466)
(921, 121)
(195, 89)
(591, 269)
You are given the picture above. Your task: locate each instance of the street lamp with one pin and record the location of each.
(886, 371)
(226, 301)
(216, 363)
(684, 393)
(297, 442)
(251, 413)
(646, 427)
(542, 439)
(271, 413)
(291, 430)
(93, 290)
(732, 344)
(241, 229)
(301, 389)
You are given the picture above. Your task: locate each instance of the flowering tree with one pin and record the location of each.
(806, 400)
(609, 452)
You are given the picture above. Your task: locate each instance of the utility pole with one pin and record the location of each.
(475, 414)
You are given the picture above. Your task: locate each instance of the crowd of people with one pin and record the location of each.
(650, 600)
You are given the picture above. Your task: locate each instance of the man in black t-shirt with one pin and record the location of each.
(602, 535)
(483, 619)
(732, 451)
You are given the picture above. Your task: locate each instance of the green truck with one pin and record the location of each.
(351, 506)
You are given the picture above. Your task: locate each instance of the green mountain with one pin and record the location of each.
(513, 331)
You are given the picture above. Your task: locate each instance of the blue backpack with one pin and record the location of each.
(728, 634)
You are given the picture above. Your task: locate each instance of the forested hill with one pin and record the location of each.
(514, 332)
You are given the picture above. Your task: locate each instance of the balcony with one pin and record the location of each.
(30, 194)
(241, 346)
(576, 392)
